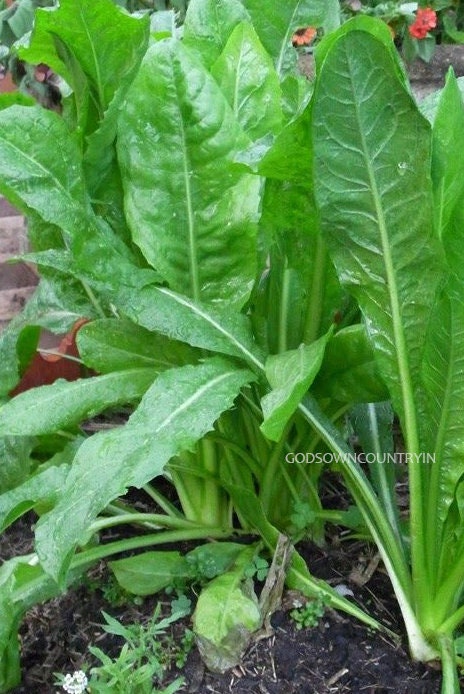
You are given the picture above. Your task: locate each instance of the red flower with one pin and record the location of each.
(303, 37)
(426, 19)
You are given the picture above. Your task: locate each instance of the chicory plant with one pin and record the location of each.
(150, 213)
(388, 185)
(221, 224)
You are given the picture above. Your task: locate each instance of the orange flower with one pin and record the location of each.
(303, 37)
(426, 19)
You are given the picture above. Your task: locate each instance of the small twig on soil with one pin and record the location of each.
(338, 675)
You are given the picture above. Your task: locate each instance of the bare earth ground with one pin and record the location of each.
(339, 655)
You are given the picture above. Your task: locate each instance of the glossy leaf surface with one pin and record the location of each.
(246, 75)
(81, 41)
(368, 179)
(180, 318)
(177, 135)
(447, 145)
(180, 408)
(443, 369)
(46, 409)
(110, 344)
(92, 30)
(15, 461)
(48, 180)
(208, 25)
(290, 374)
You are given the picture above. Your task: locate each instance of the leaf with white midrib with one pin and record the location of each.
(180, 318)
(47, 409)
(192, 214)
(372, 185)
(372, 158)
(179, 408)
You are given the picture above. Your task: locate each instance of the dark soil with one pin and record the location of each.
(339, 655)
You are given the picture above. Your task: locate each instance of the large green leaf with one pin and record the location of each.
(208, 25)
(47, 409)
(246, 75)
(180, 408)
(161, 310)
(49, 181)
(443, 370)
(97, 49)
(180, 318)
(150, 572)
(372, 185)
(290, 374)
(192, 214)
(276, 23)
(112, 344)
(377, 29)
(46, 179)
(447, 145)
(104, 41)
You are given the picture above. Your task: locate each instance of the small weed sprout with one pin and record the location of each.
(147, 653)
(309, 614)
(258, 569)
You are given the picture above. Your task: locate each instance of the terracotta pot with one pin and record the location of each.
(46, 368)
